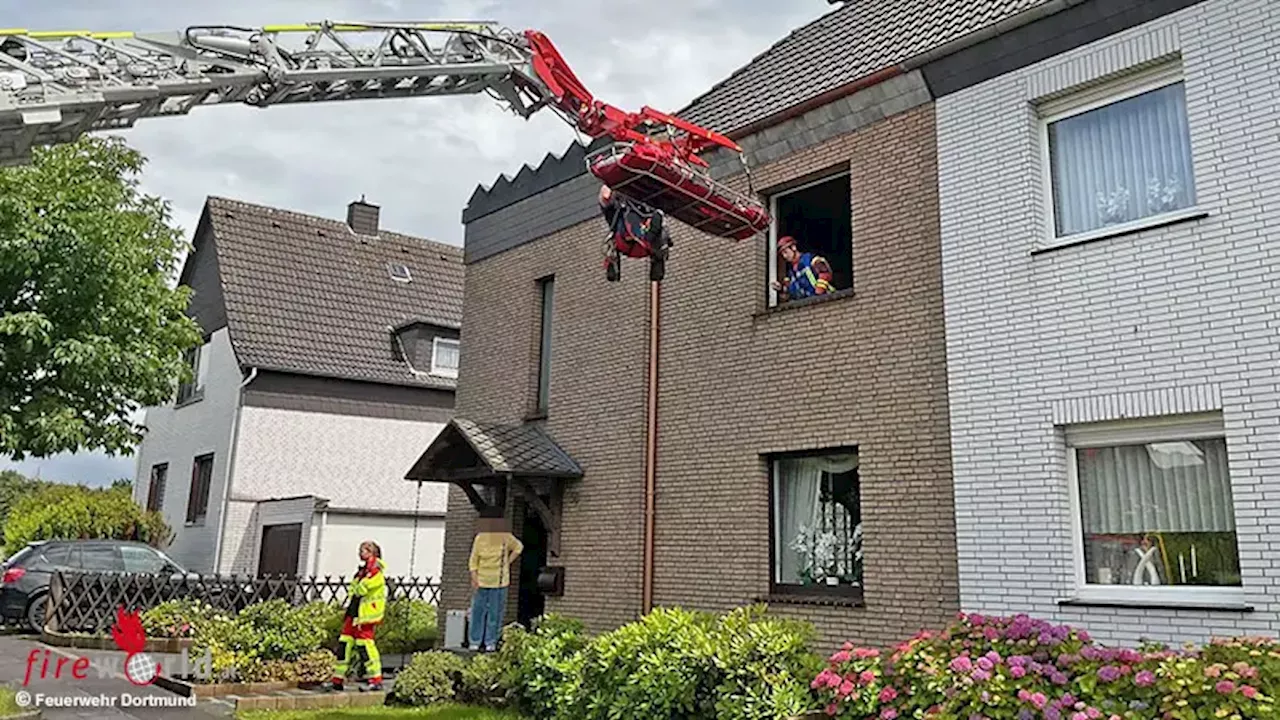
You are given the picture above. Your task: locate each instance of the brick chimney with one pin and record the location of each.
(362, 217)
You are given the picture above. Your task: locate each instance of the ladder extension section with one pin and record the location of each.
(56, 86)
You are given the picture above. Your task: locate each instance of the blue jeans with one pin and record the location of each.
(488, 605)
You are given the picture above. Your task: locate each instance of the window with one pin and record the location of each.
(817, 523)
(155, 491)
(547, 292)
(198, 499)
(100, 558)
(1119, 156)
(819, 218)
(55, 556)
(399, 272)
(1154, 508)
(142, 560)
(444, 357)
(195, 360)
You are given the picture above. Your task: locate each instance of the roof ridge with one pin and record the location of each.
(216, 199)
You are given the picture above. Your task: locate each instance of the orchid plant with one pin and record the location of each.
(820, 550)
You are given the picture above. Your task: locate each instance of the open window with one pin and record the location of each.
(819, 218)
(197, 362)
(817, 523)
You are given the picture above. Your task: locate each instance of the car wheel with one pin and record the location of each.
(35, 613)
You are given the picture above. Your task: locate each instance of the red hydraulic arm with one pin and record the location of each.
(598, 119)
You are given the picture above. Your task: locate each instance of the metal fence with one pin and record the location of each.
(87, 602)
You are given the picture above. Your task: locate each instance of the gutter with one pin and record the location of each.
(231, 465)
(651, 452)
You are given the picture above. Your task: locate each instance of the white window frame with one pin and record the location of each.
(200, 373)
(1136, 432)
(770, 293)
(1078, 103)
(436, 369)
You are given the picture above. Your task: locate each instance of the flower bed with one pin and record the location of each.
(1026, 669)
(275, 642)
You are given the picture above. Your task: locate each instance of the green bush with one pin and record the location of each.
(75, 512)
(544, 667)
(316, 666)
(486, 681)
(409, 626)
(763, 666)
(431, 677)
(326, 617)
(275, 630)
(182, 619)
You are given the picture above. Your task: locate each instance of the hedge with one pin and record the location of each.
(74, 512)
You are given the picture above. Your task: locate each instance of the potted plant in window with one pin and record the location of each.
(817, 548)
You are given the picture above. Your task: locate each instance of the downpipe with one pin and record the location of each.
(651, 451)
(231, 466)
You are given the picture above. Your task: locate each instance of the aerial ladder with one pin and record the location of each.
(58, 85)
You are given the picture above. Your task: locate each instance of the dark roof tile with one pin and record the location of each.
(844, 45)
(306, 294)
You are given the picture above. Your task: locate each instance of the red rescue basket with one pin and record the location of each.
(644, 172)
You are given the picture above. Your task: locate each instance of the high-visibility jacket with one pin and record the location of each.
(810, 275)
(371, 588)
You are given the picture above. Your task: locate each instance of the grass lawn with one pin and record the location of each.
(8, 706)
(439, 712)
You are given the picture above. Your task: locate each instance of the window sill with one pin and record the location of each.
(197, 397)
(536, 416)
(1227, 601)
(807, 302)
(847, 600)
(1129, 228)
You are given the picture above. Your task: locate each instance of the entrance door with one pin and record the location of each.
(279, 553)
(532, 603)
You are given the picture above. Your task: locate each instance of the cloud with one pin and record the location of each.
(94, 469)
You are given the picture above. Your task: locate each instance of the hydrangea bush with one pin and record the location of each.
(1020, 668)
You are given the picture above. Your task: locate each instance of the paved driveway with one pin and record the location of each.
(100, 681)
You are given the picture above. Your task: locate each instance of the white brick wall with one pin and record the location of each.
(177, 436)
(1166, 318)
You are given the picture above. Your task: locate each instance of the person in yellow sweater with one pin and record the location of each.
(493, 552)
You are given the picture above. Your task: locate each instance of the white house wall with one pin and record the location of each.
(179, 435)
(1167, 320)
(340, 535)
(352, 461)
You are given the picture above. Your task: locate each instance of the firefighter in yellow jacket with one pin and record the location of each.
(368, 593)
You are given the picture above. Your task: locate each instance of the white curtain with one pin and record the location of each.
(797, 495)
(1161, 487)
(1122, 162)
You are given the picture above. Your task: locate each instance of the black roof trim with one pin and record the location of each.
(552, 171)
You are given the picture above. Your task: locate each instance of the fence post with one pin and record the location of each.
(53, 604)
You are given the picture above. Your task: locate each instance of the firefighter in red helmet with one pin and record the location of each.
(807, 274)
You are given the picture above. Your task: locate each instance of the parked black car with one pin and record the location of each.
(25, 585)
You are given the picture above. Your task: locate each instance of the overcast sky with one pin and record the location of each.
(419, 159)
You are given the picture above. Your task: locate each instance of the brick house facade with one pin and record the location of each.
(1140, 338)
(752, 395)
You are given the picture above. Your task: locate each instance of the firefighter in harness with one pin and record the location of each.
(636, 231)
(807, 274)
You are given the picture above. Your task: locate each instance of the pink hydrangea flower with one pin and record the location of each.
(962, 664)
(1213, 671)
(1249, 691)
(1018, 672)
(1039, 700)
(864, 653)
(841, 657)
(888, 695)
(867, 677)
(832, 709)
(1226, 687)
(888, 714)
(1145, 678)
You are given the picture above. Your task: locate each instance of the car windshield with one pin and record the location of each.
(166, 558)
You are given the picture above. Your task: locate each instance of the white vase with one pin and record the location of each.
(833, 581)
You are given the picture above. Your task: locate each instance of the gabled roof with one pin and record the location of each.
(305, 294)
(466, 449)
(854, 41)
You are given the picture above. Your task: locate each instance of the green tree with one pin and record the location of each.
(72, 512)
(90, 327)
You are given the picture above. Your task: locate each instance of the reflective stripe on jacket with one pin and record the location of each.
(811, 275)
(372, 591)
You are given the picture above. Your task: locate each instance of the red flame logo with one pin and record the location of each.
(131, 637)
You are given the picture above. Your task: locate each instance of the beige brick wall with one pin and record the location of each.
(866, 370)
(597, 405)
